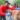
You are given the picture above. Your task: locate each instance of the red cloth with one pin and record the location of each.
(3, 8)
(13, 8)
(1, 13)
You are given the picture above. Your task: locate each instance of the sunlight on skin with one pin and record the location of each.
(10, 6)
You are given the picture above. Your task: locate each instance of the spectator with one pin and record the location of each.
(3, 10)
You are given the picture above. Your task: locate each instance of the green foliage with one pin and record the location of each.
(2, 1)
(18, 1)
(12, 3)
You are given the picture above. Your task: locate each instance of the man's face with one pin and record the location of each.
(5, 4)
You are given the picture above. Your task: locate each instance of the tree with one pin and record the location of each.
(18, 1)
(13, 2)
(2, 1)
